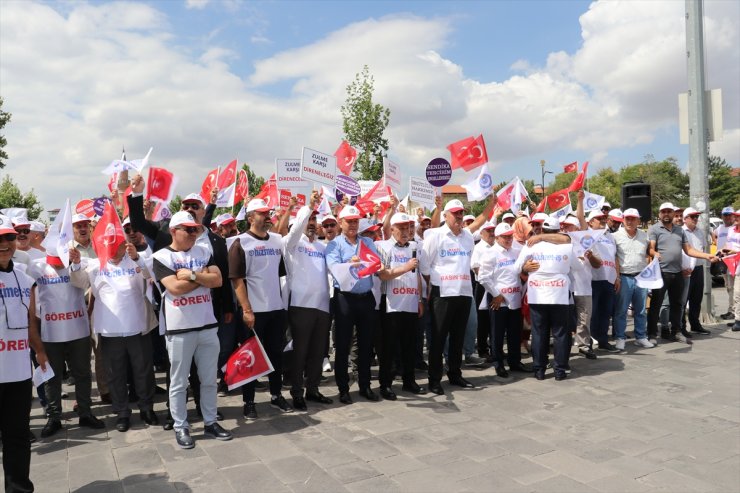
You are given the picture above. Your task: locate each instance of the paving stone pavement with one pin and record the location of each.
(664, 419)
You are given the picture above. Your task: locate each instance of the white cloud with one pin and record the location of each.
(196, 4)
(112, 75)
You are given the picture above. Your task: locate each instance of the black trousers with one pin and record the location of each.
(547, 319)
(117, 353)
(354, 310)
(449, 318)
(506, 323)
(76, 354)
(270, 328)
(673, 285)
(484, 322)
(15, 416)
(696, 296)
(309, 328)
(399, 330)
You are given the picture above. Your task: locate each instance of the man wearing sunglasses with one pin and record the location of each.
(160, 235)
(23, 228)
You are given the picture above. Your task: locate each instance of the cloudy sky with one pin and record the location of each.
(204, 82)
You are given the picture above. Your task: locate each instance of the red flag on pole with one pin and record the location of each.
(731, 261)
(108, 235)
(370, 260)
(378, 192)
(579, 180)
(558, 200)
(269, 192)
(571, 168)
(541, 206)
(346, 156)
(247, 363)
(468, 153)
(208, 184)
(160, 185)
(242, 186)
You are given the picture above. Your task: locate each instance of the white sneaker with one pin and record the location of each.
(620, 344)
(644, 343)
(327, 365)
(653, 341)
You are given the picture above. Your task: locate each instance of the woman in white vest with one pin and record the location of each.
(65, 331)
(121, 321)
(17, 332)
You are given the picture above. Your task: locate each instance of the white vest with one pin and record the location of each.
(499, 275)
(401, 293)
(262, 259)
(550, 284)
(119, 308)
(62, 308)
(15, 356)
(448, 259)
(191, 311)
(607, 250)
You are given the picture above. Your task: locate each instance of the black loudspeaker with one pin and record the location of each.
(636, 195)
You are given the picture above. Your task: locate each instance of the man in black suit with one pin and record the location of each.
(159, 233)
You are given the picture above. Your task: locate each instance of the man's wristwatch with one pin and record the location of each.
(192, 275)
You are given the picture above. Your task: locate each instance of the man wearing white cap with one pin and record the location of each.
(255, 265)
(732, 246)
(632, 255)
(667, 242)
(23, 227)
(694, 285)
(401, 304)
(614, 220)
(446, 268)
(482, 317)
(187, 276)
(354, 308)
(508, 218)
(719, 237)
(498, 275)
(38, 233)
(226, 225)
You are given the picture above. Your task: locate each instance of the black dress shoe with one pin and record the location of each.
(299, 403)
(436, 388)
(387, 393)
(52, 426)
(369, 394)
(701, 330)
(31, 437)
(91, 421)
(214, 430)
(539, 374)
(123, 424)
(318, 397)
(561, 375)
(345, 398)
(423, 366)
(183, 439)
(461, 382)
(149, 417)
(414, 388)
(520, 367)
(501, 372)
(169, 423)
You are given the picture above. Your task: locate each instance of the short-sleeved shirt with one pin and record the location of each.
(631, 251)
(669, 244)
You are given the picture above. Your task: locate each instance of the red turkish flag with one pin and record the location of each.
(346, 156)
(731, 261)
(209, 184)
(269, 192)
(247, 363)
(227, 176)
(108, 235)
(126, 193)
(579, 180)
(571, 168)
(369, 259)
(468, 153)
(242, 186)
(160, 185)
(379, 191)
(558, 200)
(112, 182)
(541, 206)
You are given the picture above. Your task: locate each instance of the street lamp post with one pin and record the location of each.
(544, 172)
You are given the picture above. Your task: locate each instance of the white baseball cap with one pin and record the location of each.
(328, 217)
(20, 221)
(488, 225)
(194, 197)
(468, 217)
(367, 225)
(401, 218)
(453, 205)
(616, 215)
(594, 214)
(572, 221)
(503, 229)
(38, 226)
(126, 221)
(632, 212)
(78, 218)
(690, 211)
(425, 218)
(182, 218)
(539, 217)
(606, 204)
(6, 225)
(551, 224)
(257, 205)
(350, 212)
(508, 215)
(727, 211)
(225, 218)
(666, 206)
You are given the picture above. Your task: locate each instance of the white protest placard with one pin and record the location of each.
(366, 186)
(421, 191)
(288, 177)
(392, 173)
(318, 167)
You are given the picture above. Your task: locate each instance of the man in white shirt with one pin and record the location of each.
(694, 288)
(483, 319)
(719, 236)
(732, 246)
(23, 228)
(604, 284)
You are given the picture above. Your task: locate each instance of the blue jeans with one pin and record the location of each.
(630, 292)
(602, 297)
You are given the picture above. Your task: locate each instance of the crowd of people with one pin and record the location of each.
(410, 291)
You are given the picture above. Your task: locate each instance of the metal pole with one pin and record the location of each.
(698, 138)
(542, 165)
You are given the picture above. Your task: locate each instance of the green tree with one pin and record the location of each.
(363, 124)
(255, 181)
(724, 189)
(4, 119)
(11, 196)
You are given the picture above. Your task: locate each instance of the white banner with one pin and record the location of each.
(365, 186)
(288, 176)
(318, 167)
(392, 173)
(421, 191)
